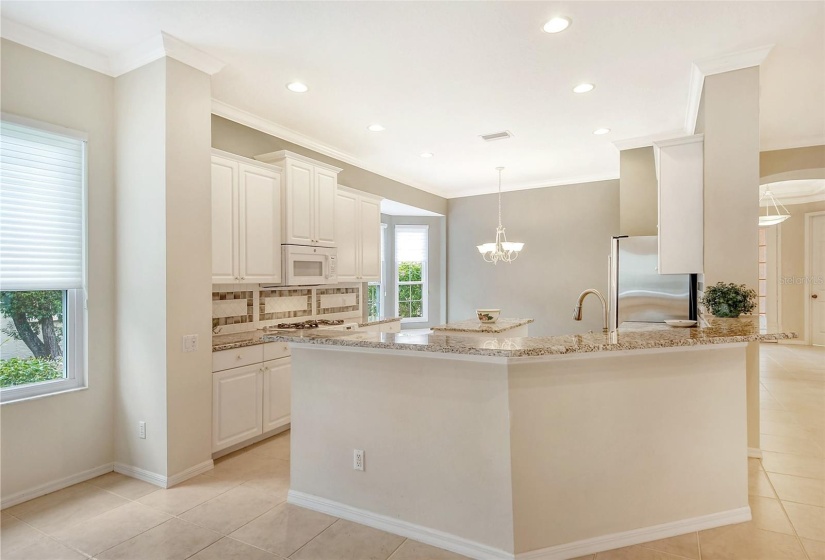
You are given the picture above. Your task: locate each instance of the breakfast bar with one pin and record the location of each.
(525, 447)
(502, 328)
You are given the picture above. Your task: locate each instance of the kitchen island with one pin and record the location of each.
(531, 447)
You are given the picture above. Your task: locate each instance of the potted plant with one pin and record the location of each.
(729, 300)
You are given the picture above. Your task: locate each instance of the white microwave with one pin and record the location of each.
(309, 266)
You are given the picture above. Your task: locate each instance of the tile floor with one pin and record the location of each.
(237, 511)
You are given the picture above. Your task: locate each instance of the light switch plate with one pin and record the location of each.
(190, 342)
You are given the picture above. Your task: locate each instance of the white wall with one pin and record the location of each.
(141, 267)
(567, 232)
(55, 437)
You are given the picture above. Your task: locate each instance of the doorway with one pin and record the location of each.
(815, 276)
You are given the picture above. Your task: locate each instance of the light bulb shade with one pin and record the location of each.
(773, 219)
(486, 248)
(512, 246)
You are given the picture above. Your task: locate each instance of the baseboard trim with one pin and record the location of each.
(141, 474)
(395, 526)
(49, 487)
(191, 472)
(754, 452)
(638, 536)
(159, 479)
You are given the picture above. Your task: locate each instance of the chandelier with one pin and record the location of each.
(501, 250)
(770, 219)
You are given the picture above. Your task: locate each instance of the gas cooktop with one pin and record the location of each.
(311, 324)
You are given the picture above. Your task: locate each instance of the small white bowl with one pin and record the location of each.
(488, 315)
(680, 323)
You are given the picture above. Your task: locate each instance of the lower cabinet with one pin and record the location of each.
(251, 398)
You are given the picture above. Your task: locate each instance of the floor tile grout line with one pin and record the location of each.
(337, 519)
(397, 548)
(670, 553)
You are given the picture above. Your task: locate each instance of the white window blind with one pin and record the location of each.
(411, 243)
(41, 209)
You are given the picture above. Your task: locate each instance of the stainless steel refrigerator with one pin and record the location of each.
(638, 293)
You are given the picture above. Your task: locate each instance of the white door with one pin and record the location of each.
(346, 233)
(370, 242)
(260, 225)
(224, 220)
(277, 393)
(236, 405)
(326, 189)
(816, 243)
(299, 209)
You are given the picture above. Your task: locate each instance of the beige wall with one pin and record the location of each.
(141, 267)
(731, 128)
(795, 163)
(248, 142)
(792, 267)
(638, 192)
(567, 232)
(188, 265)
(51, 438)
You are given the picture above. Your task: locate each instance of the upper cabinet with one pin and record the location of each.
(358, 231)
(246, 220)
(680, 171)
(309, 198)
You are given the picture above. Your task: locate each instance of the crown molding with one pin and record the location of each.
(43, 42)
(151, 49)
(246, 118)
(579, 180)
(648, 140)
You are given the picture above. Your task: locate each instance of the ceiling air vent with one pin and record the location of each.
(497, 136)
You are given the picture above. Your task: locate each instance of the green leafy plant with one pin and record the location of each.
(37, 316)
(20, 371)
(729, 300)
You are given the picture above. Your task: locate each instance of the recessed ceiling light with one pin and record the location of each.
(556, 24)
(375, 128)
(601, 131)
(426, 154)
(297, 87)
(583, 88)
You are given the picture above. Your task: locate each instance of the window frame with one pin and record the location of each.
(75, 314)
(425, 278)
(382, 286)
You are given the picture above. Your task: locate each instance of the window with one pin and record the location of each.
(42, 318)
(411, 251)
(376, 290)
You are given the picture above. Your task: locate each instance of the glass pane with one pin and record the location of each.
(415, 272)
(416, 292)
(404, 272)
(763, 254)
(309, 269)
(763, 271)
(32, 345)
(404, 293)
(763, 287)
(416, 309)
(403, 309)
(763, 236)
(374, 301)
(763, 305)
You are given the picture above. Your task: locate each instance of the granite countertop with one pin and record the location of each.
(237, 340)
(475, 326)
(629, 337)
(379, 322)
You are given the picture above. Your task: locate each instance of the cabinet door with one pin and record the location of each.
(299, 206)
(260, 224)
(224, 220)
(326, 190)
(346, 233)
(681, 206)
(236, 406)
(369, 227)
(277, 393)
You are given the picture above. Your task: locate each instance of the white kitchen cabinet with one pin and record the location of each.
(309, 198)
(358, 230)
(277, 376)
(237, 402)
(680, 171)
(251, 393)
(246, 220)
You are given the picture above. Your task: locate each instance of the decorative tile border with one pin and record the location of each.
(292, 303)
(232, 308)
(336, 300)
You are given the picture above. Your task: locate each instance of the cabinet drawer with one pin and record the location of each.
(275, 350)
(237, 357)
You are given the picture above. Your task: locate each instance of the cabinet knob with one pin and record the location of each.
(243, 277)
(814, 296)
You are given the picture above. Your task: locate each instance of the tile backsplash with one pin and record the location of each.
(244, 307)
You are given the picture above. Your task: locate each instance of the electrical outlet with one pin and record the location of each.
(358, 459)
(190, 342)
(142, 429)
